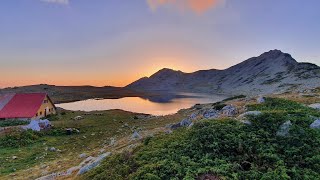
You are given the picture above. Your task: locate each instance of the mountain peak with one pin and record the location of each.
(272, 53)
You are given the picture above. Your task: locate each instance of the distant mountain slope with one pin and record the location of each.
(73, 93)
(271, 72)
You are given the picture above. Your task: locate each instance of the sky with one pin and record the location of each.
(113, 42)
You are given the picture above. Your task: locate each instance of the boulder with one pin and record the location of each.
(315, 124)
(83, 155)
(229, 110)
(284, 129)
(52, 149)
(135, 136)
(96, 162)
(250, 113)
(185, 122)
(246, 122)
(211, 114)
(175, 126)
(193, 116)
(261, 99)
(315, 106)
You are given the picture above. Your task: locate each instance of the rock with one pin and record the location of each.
(315, 124)
(229, 110)
(94, 163)
(250, 113)
(14, 157)
(168, 131)
(315, 106)
(284, 129)
(102, 150)
(261, 99)
(175, 126)
(112, 142)
(52, 149)
(190, 125)
(83, 155)
(211, 114)
(135, 136)
(78, 118)
(193, 116)
(246, 122)
(72, 169)
(185, 122)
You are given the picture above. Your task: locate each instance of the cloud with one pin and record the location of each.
(197, 6)
(57, 1)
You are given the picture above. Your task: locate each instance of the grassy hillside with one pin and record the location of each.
(227, 149)
(34, 159)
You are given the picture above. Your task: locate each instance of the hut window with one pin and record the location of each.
(37, 114)
(45, 101)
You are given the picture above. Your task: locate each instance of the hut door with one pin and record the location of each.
(45, 112)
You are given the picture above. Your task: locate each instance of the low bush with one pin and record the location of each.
(6, 123)
(227, 149)
(19, 138)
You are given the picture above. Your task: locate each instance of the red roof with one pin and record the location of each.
(23, 105)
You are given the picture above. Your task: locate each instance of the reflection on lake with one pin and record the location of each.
(157, 105)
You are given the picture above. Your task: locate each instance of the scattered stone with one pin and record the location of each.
(93, 164)
(112, 142)
(315, 106)
(102, 150)
(261, 100)
(168, 131)
(52, 149)
(83, 155)
(229, 110)
(211, 114)
(14, 157)
(78, 118)
(190, 125)
(315, 124)
(284, 129)
(135, 136)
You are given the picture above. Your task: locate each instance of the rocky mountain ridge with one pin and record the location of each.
(271, 72)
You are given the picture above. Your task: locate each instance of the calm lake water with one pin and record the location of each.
(160, 105)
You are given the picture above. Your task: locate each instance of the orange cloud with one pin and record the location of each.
(198, 6)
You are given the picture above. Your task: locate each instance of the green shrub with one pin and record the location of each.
(227, 149)
(6, 123)
(19, 138)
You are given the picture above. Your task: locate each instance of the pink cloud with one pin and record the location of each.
(197, 6)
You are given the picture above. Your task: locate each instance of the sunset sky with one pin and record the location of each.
(114, 42)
